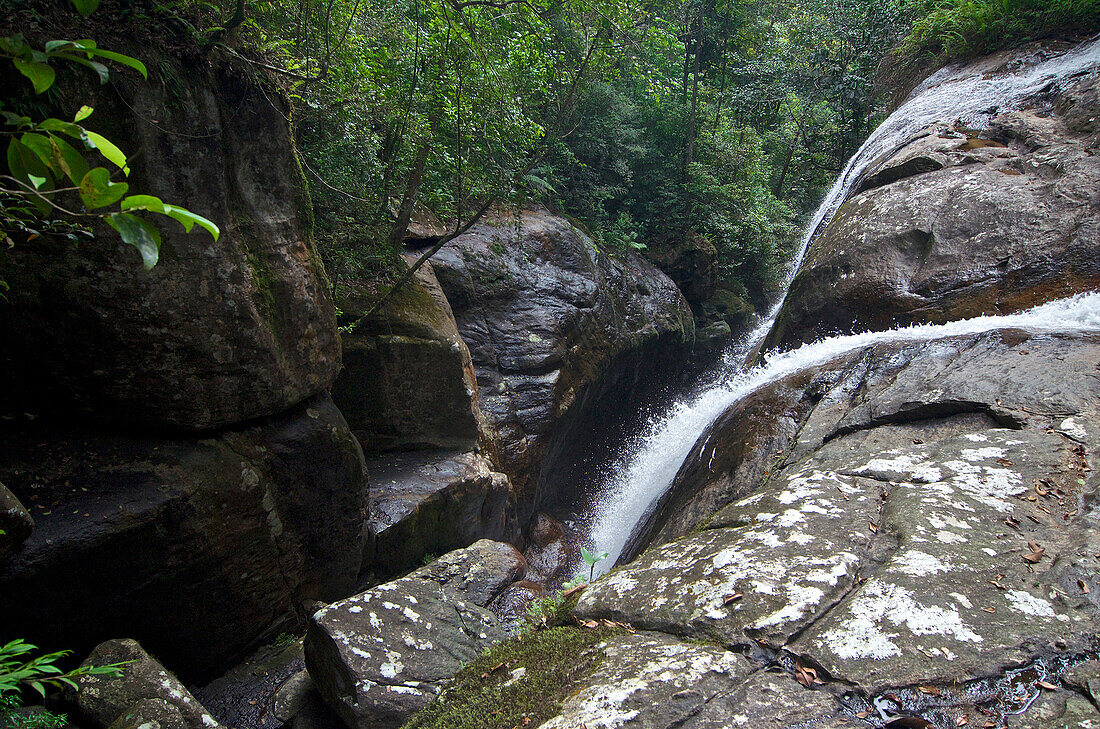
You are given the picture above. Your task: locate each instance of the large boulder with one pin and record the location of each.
(16, 524)
(925, 520)
(431, 502)
(959, 222)
(143, 691)
(557, 330)
(380, 656)
(407, 380)
(199, 547)
(218, 332)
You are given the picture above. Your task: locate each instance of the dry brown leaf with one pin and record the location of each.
(1035, 556)
(1041, 490)
(732, 598)
(932, 690)
(874, 527)
(1048, 685)
(990, 609)
(1084, 586)
(961, 721)
(862, 714)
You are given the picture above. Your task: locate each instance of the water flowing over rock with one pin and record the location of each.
(264, 516)
(988, 216)
(218, 332)
(553, 325)
(379, 656)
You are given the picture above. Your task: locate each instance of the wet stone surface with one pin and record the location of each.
(381, 655)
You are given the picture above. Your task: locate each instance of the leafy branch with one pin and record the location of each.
(42, 158)
(18, 670)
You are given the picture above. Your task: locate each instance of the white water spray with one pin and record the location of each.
(648, 467)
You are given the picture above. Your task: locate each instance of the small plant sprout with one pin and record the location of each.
(591, 559)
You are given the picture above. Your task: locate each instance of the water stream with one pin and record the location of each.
(648, 464)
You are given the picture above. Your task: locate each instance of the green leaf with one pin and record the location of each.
(188, 220)
(83, 113)
(102, 71)
(86, 7)
(56, 45)
(37, 686)
(74, 164)
(40, 74)
(123, 59)
(139, 234)
(56, 125)
(108, 149)
(24, 164)
(97, 190)
(144, 202)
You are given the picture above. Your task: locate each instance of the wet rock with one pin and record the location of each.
(381, 655)
(430, 501)
(547, 318)
(407, 380)
(217, 333)
(265, 517)
(925, 524)
(949, 227)
(15, 523)
(246, 696)
(144, 691)
(552, 552)
(1086, 679)
(151, 714)
(433, 502)
(511, 605)
(1057, 710)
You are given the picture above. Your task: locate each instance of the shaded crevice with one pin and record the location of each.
(939, 410)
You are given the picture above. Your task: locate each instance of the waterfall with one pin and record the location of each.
(648, 465)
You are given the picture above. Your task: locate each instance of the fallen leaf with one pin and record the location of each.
(732, 598)
(1084, 586)
(1048, 685)
(806, 676)
(874, 526)
(1041, 490)
(961, 721)
(990, 609)
(929, 690)
(862, 714)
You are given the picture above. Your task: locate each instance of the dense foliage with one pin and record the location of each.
(949, 30)
(652, 123)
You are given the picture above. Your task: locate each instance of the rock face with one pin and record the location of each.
(408, 381)
(218, 332)
(430, 502)
(144, 691)
(264, 517)
(549, 321)
(379, 656)
(929, 525)
(15, 523)
(960, 222)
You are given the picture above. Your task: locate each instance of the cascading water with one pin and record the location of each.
(647, 468)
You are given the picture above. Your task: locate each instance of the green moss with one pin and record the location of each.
(479, 699)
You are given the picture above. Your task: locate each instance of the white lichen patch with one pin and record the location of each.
(1028, 604)
(392, 666)
(642, 671)
(982, 454)
(1073, 429)
(976, 437)
(950, 537)
(881, 607)
(903, 467)
(919, 564)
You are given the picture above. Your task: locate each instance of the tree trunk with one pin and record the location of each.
(412, 191)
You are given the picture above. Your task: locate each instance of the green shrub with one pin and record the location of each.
(952, 30)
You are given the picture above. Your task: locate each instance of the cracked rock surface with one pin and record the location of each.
(381, 655)
(930, 520)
